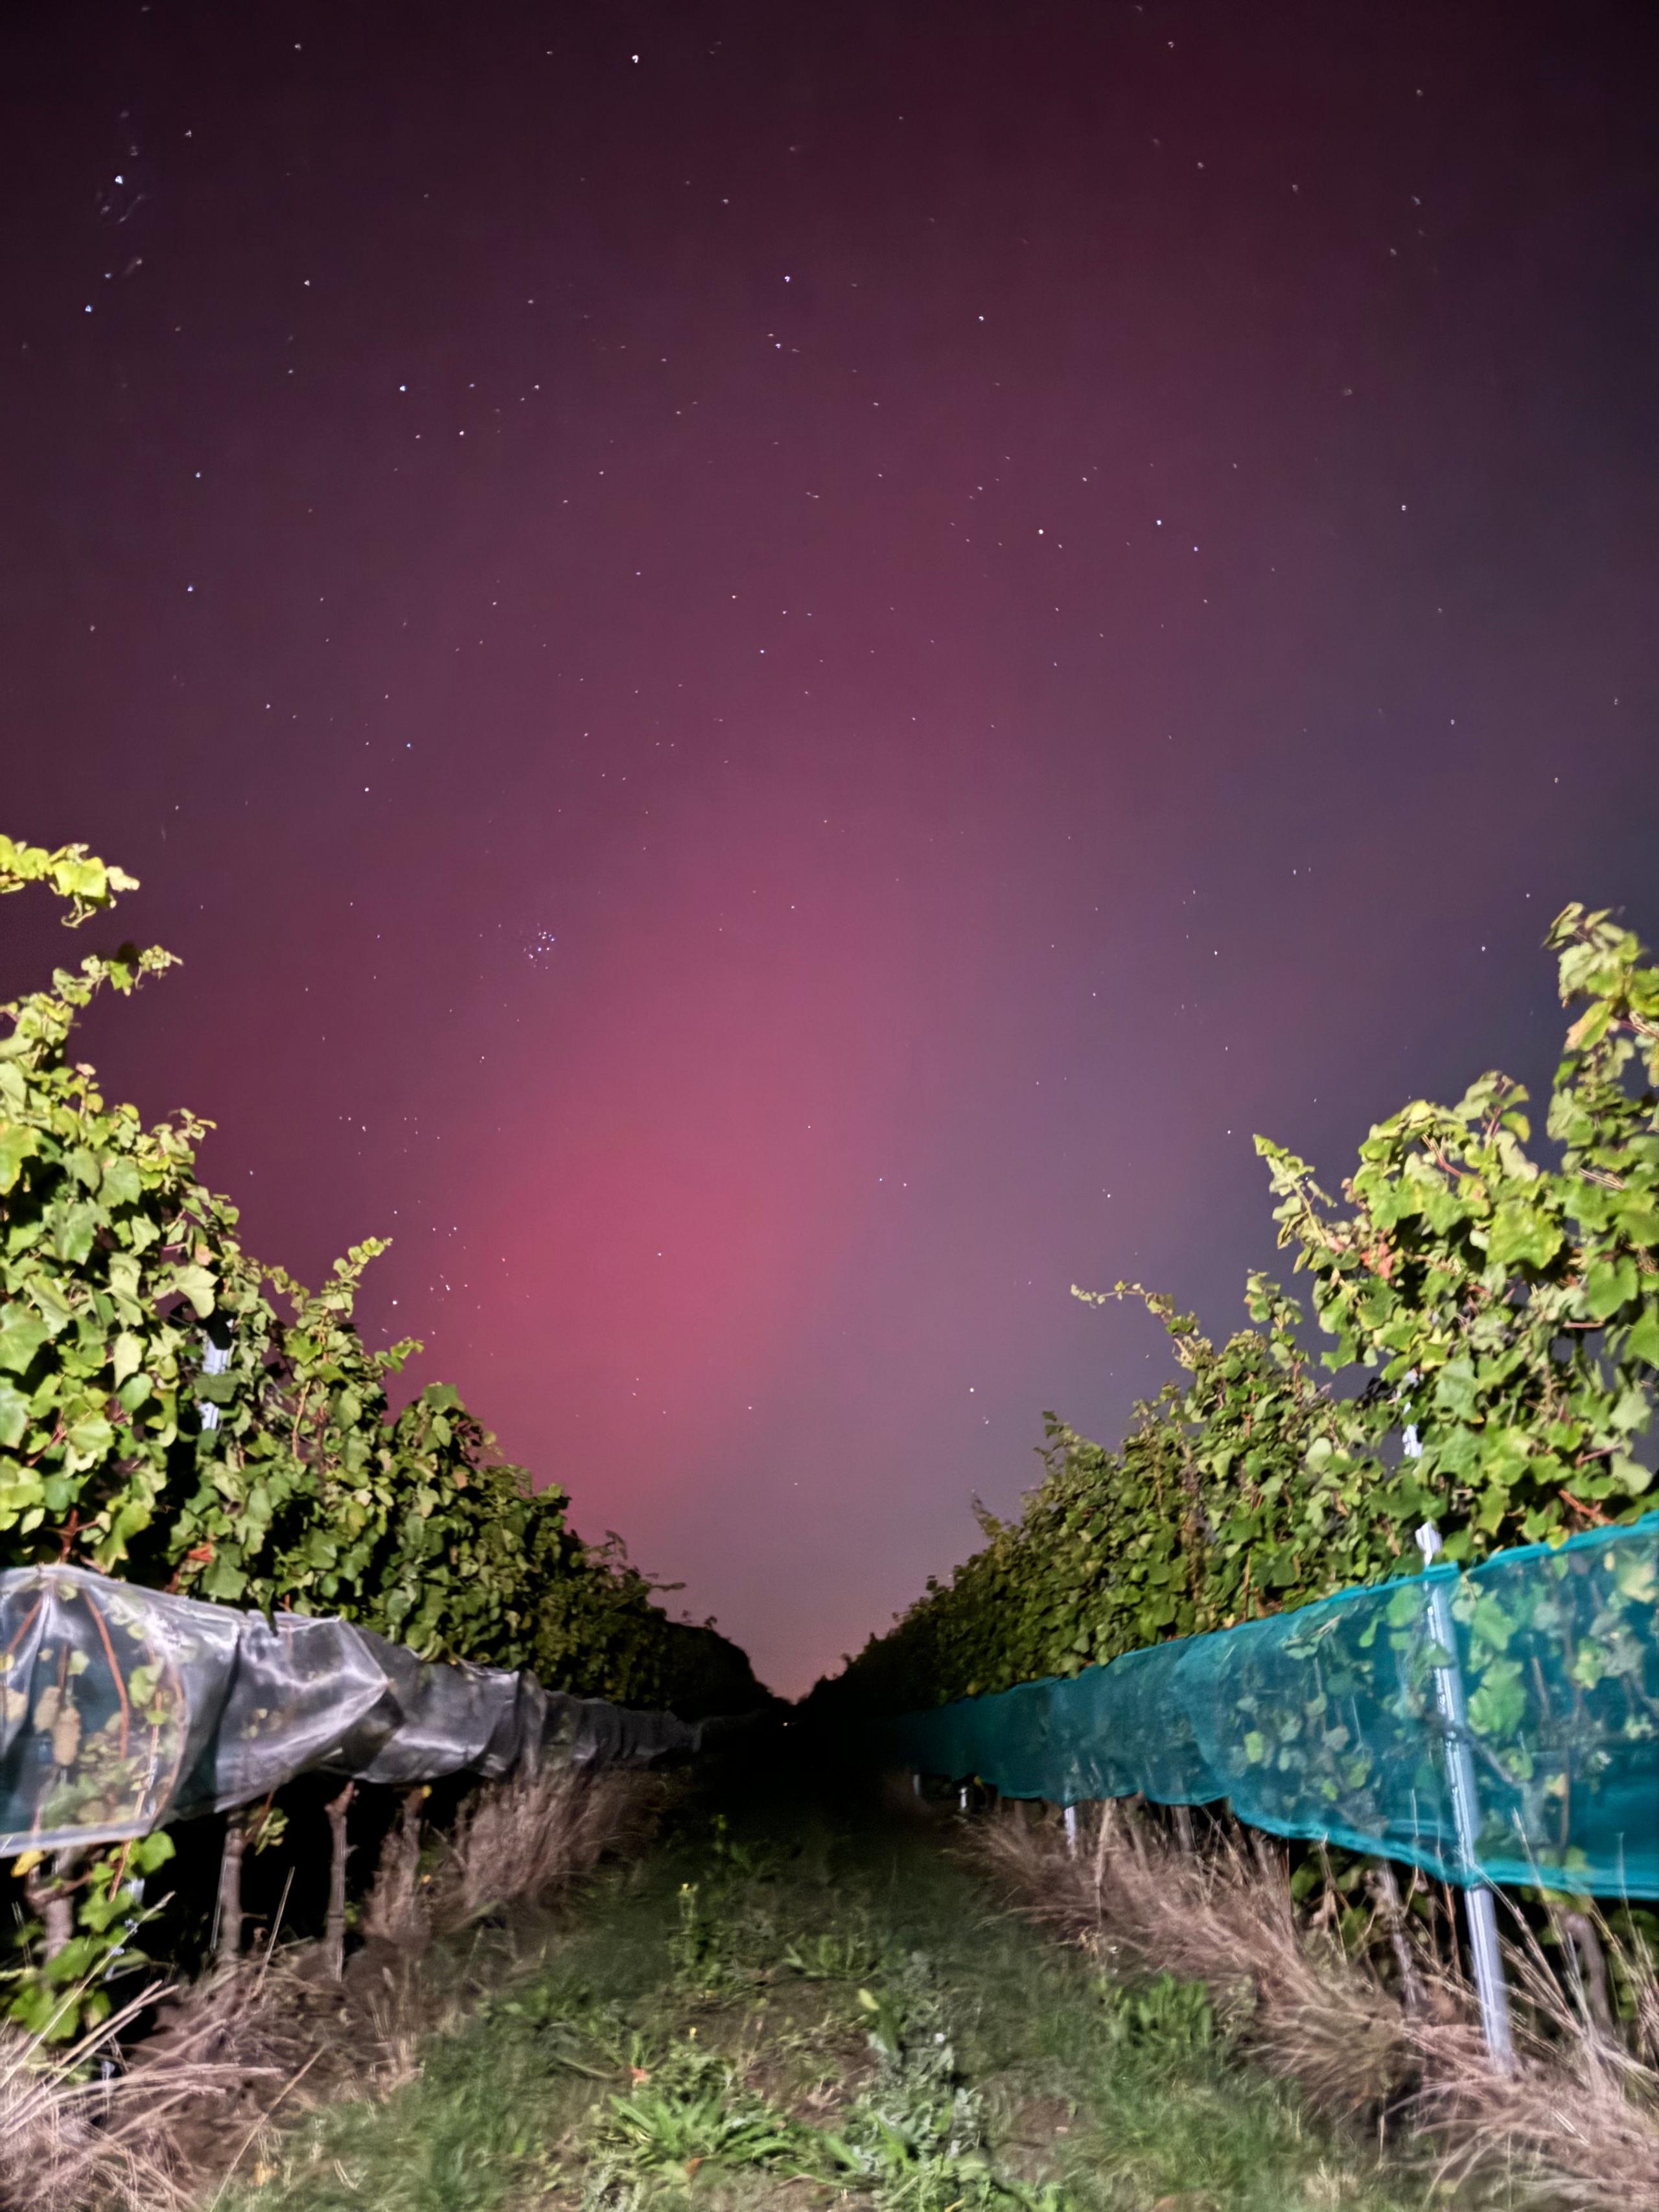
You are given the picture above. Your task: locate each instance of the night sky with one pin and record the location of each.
(780, 668)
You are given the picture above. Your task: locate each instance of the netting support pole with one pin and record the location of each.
(1070, 1831)
(916, 1784)
(1479, 1913)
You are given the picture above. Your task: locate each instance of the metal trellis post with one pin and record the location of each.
(1479, 1914)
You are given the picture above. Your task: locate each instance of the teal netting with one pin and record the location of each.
(1342, 1721)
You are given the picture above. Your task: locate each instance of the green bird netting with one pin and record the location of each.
(1529, 1684)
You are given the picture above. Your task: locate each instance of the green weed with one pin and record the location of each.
(837, 1955)
(691, 2110)
(1173, 2020)
(695, 1948)
(916, 2135)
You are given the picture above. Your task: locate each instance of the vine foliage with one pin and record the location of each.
(1495, 1328)
(122, 1272)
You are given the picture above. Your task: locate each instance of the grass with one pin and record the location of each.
(471, 2129)
(787, 2012)
(1379, 2027)
(185, 2091)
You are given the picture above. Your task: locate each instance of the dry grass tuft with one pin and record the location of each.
(522, 1841)
(1574, 2128)
(396, 1911)
(229, 2055)
(239, 2054)
(73, 2137)
(65, 2136)
(1137, 1898)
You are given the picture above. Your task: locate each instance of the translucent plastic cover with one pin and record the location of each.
(123, 1709)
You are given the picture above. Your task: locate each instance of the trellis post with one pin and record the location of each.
(1479, 1912)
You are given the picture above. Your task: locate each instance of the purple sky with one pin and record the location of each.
(779, 669)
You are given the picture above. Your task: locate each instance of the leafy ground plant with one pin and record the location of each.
(691, 2109)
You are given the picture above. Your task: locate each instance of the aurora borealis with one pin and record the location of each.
(780, 669)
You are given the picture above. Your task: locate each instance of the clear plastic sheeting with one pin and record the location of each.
(298, 1693)
(446, 1719)
(123, 1709)
(1329, 1722)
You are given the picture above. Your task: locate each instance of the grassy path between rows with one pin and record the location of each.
(784, 2008)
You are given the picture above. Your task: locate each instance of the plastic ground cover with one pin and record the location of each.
(122, 1709)
(1327, 1722)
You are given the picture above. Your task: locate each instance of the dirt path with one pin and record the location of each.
(782, 2008)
